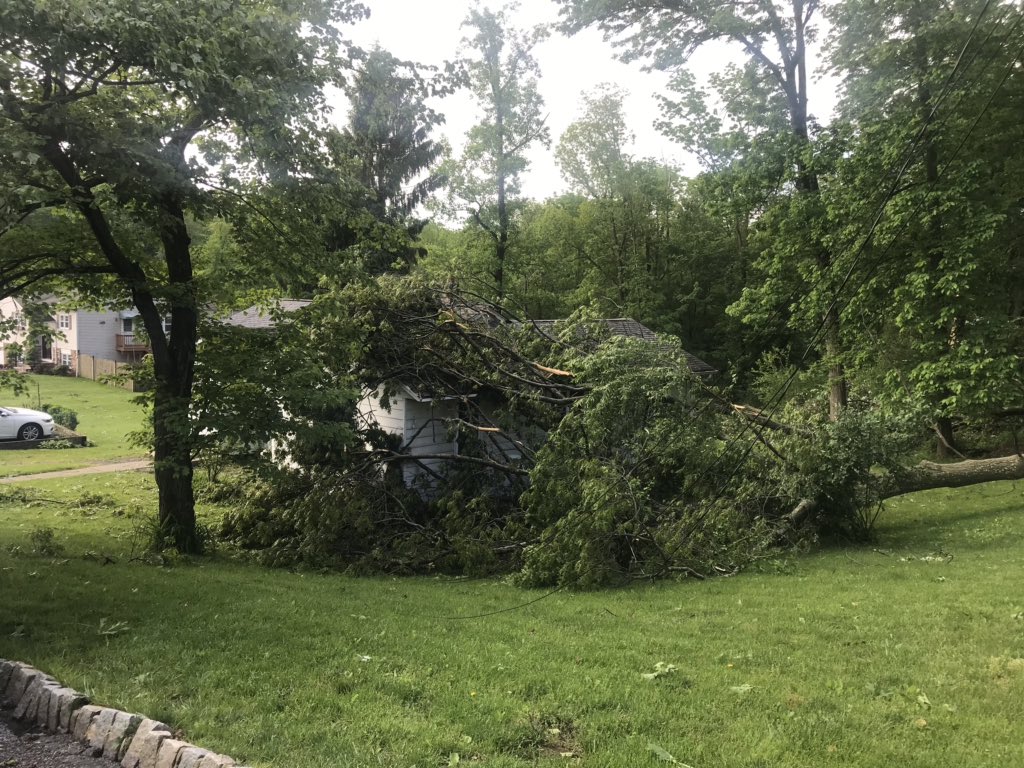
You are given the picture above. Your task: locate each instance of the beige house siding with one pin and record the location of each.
(92, 334)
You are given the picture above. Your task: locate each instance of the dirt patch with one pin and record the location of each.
(22, 747)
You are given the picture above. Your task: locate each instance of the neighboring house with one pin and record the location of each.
(70, 334)
(423, 425)
(427, 424)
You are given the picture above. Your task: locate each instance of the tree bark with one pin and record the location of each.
(928, 475)
(174, 358)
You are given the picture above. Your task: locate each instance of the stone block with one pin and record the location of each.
(21, 677)
(6, 668)
(52, 709)
(70, 702)
(96, 733)
(39, 712)
(211, 760)
(190, 756)
(121, 730)
(167, 755)
(83, 718)
(47, 702)
(145, 744)
(29, 700)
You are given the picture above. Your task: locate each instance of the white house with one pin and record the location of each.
(426, 423)
(108, 334)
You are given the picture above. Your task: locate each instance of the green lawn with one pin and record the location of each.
(909, 653)
(106, 415)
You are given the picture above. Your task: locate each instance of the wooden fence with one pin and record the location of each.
(100, 369)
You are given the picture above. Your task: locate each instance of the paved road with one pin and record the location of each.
(30, 749)
(95, 469)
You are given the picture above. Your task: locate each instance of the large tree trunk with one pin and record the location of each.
(807, 183)
(927, 475)
(173, 470)
(174, 358)
(501, 242)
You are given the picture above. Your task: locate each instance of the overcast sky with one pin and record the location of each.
(430, 33)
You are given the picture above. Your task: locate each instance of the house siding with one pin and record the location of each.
(426, 432)
(372, 411)
(9, 308)
(95, 334)
(420, 425)
(92, 333)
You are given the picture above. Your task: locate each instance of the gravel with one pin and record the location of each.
(31, 748)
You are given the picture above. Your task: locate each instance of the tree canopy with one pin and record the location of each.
(119, 125)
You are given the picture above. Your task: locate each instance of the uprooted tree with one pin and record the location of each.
(582, 458)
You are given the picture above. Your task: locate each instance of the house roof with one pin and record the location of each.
(264, 317)
(633, 329)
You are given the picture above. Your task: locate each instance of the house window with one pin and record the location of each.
(64, 322)
(21, 323)
(65, 358)
(45, 349)
(127, 325)
(167, 325)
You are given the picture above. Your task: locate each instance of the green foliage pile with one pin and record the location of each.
(632, 482)
(62, 415)
(634, 468)
(371, 524)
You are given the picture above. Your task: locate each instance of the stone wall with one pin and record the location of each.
(133, 741)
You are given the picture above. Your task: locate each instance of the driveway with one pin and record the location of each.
(96, 469)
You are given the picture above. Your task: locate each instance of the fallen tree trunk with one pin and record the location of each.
(927, 475)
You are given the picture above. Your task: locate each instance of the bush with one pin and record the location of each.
(50, 369)
(56, 445)
(61, 415)
(370, 523)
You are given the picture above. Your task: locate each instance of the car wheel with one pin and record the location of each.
(30, 432)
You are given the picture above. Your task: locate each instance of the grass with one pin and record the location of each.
(106, 416)
(909, 652)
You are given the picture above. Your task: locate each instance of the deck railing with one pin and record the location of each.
(129, 342)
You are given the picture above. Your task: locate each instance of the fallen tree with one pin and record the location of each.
(928, 475)
(628, 465)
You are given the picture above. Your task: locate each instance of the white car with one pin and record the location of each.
(24, 424)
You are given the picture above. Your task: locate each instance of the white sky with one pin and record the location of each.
(430, 33)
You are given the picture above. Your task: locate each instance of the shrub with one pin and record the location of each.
(370, 523)
(56, 445)
(50, 369)
(61, 415)
(44, 542)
